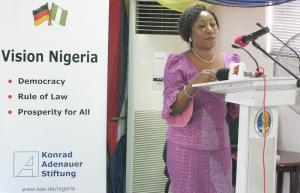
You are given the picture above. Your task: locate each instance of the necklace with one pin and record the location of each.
(208, 62)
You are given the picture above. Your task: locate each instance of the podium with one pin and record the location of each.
(249, 94)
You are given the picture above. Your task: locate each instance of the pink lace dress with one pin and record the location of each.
(199, 156)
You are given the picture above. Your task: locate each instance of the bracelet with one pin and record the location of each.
(184, 91)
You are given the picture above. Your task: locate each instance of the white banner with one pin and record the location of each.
(53, 83)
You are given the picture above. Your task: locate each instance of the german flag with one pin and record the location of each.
(41, 14)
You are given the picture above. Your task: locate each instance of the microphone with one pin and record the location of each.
(243, 40)
(222, 74)
(259, 25)
(257, 72)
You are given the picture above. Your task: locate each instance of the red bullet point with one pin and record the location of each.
(10, 112)
(10, 81)
(10, 96)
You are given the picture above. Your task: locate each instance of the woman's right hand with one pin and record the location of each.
(185, 95)
(206, 75)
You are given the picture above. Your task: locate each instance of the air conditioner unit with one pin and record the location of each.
(152, 34)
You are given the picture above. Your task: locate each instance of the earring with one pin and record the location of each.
(190, 39)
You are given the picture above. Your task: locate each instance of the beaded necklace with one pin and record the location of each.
(209, 61)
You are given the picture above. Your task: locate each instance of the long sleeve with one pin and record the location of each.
(174, 80)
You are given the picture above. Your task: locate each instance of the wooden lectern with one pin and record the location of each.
(249, 94)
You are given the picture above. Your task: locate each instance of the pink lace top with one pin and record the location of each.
(203, 125)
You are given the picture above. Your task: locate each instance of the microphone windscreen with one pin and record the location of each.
(239, 41)
(222, 74)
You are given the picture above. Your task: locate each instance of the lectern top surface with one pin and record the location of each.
(273, 83)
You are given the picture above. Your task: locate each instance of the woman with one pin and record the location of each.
(198, 157)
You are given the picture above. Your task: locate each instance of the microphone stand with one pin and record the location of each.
(239, 47)
(277, 38)
(267, 54)
(257, 72)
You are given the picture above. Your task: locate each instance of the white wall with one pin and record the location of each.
(289, 130)
(237, 21)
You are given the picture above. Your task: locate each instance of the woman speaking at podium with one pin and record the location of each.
(198, 155)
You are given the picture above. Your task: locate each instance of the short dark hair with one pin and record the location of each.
(187, 20)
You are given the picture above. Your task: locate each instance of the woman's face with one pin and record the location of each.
(204, 31)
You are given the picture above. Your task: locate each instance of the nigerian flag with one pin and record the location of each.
(58, 14)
